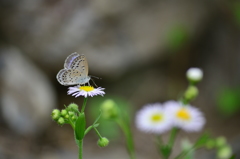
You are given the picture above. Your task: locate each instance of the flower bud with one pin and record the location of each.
(71, 113)
(64, 112)
(73, 118)
(61, 121)
(73, 107)
(210, 144)
(191, 93)
(194, 75)
(109, 109)
(56, 114)
(103, 142)
(224, 152)
(221, 141)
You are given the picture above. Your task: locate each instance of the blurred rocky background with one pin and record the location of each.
(140, 48)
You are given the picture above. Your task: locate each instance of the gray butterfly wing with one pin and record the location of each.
(77, 62)
(71, 77)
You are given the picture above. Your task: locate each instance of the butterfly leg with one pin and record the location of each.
(94, 82)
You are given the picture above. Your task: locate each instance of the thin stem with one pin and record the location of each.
(71, 123)
(81, 141)
(160, 144)
(129, 139)
(99, 135)
(89, 128)
(173, 136)
(184, 153)
(166, 150)
(84, 105)
(160, 141)
(80, 151)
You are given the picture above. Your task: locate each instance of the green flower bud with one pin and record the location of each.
(55, 114)
(221, 141)
(73, 107)
(191, 93)
(61, 121)
(103, 142)
(73, 118)
(224, 152)
(64, 112)
(109, 109)
(210, 144)
(71, 113)
(194, 75)
(66, 116)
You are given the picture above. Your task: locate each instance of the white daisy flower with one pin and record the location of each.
(152, 119)
(85, 91)
(187, 118)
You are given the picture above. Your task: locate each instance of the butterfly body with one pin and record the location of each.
(75, 70)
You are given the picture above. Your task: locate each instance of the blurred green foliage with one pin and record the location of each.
(177, 36)
(108, 128)
(186, 145)
(228, 101)
(236, 12)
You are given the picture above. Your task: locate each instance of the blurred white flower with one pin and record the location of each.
(194, 74)
(187, 118)
(153, 119)
(85, 91)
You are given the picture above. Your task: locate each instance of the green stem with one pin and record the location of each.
(160, 141)
(84, 105)
(80, 145)
(173, 137)
(80, 151)
(166, 150)
(160, 144)
(129, 139)
(99, 135)
(184, 153)
(71, 123)
(89, 128)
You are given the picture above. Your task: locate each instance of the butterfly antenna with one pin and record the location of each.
(96, 77)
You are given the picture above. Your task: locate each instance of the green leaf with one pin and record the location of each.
(202, 140)
(166, 150)
(80, 126)
(76, 141)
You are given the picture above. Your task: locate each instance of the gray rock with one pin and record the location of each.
(27, 96)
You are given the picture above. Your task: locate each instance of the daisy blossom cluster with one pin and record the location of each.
(158, 118)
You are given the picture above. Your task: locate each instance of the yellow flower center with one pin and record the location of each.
(183, 114)
(86, 88)
(157, 117)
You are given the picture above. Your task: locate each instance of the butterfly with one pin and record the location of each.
(75, 71)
